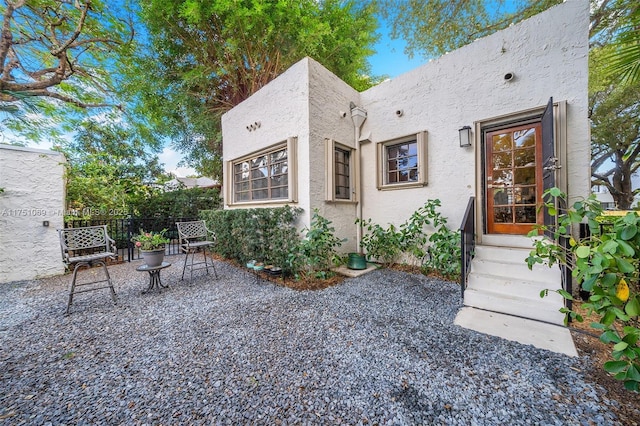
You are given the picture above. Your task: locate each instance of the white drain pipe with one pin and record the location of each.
(358, 115)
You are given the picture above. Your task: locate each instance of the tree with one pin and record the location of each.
(434, 27)
(109, 170)
(209, 56)
(615, 133)
(57, 60)
(624, 60)
(45, 44)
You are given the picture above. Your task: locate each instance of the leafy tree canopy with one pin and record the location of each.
(56, 58)
(433, 27)
(207, 57)
(109, 170)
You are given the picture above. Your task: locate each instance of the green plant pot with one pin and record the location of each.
(357, 261)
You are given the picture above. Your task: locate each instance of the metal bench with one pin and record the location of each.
(87, 246)
(194, 236)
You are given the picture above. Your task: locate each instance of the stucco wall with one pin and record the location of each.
(282, 109)
(329, 97)
(548, 54)
(34, 191)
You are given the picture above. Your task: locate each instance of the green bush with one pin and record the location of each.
(267, 235)
(316, 254)
(181, 203)
(425, 237)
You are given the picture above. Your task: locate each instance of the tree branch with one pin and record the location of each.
(60, 97)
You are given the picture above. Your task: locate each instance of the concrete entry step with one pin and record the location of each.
(551, 337)
(352, 273)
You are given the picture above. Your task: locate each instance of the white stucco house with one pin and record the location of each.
(310, 140)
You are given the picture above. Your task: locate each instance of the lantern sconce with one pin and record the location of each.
(465, 136)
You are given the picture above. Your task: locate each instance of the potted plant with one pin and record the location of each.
(151, 245)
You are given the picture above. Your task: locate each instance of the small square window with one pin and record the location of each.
(403, 162)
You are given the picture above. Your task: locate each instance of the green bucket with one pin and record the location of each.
(357, 261)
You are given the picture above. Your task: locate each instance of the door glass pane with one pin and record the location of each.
(525, 195)
(525, 176)
(526, 137)
(501, 160)
(502, 215)
(501, 196)
(502, 177)
(502, 142)
(525, 157)
(526, 214)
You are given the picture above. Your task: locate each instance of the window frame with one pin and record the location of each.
(420, 139)
(330, 180)
(290, 146)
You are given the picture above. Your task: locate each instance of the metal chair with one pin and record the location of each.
(87, 246)
(194, 236)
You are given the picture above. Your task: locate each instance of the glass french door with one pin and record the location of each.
(514, 179)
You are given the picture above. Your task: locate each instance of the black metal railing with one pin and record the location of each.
(122, 230)
(467, 242)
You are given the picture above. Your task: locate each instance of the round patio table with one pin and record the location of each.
(154, 276)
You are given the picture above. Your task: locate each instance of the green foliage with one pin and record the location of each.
(181, 203)
(605, 265)
(58, 56)
(433, 27)
(267, 235)
(316, 254)
(150, 240)
(623, 61)
(425, 237)
(109, 169)
(615, 134)
(381, 244)
(205, 77)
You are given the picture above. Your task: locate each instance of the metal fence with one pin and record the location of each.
(122, 230)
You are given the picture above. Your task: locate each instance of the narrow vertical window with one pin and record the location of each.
(342, 174)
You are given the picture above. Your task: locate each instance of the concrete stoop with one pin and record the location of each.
(546, 336)
(500, 281)
(352, 273)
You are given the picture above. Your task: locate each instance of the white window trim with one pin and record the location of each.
(292, 163)
(421, 142)
(330, 190)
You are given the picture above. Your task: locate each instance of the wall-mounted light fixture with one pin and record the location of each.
(465, 136)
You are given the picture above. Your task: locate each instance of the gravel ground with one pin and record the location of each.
(378, 349)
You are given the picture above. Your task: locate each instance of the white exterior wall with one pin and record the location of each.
(282, 109)
(34, 191)
(549, 56)
(329, 96)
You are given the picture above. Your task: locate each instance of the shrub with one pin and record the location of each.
(605, 265)
(425, 237)
(316, 254)
(267, 234)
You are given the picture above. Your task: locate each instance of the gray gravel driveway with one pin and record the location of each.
(378, 349)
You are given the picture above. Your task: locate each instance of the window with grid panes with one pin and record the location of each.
(342, 178)
(402, 162)
(263, 177)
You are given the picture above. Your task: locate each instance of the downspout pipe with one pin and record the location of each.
(358, 116)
